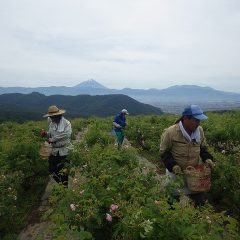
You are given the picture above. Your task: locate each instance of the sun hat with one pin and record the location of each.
(195, 111)
(53, 111)
(124, 111)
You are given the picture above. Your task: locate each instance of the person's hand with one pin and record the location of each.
(49, 140)
(116, 125)
(43, 133)
(210, 163)
(177, 169)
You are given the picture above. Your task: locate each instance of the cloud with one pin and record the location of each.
(137, 43)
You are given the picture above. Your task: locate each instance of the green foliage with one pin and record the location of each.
(79, 124)
(104, 176)
(110, 197)
(22, 173)
(226, 183)
(145, 133)
(223, 130)
(10, 186)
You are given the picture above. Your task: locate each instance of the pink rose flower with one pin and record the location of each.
(108, 217)
(113, 207)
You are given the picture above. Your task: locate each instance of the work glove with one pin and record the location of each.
(43, 133)
(210, 163)
(177, 169)
(116, 125)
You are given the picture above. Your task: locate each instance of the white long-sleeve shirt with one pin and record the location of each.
(59, 135)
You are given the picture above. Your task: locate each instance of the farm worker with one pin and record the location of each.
(184, 144)
(119, 124)
(58, 135)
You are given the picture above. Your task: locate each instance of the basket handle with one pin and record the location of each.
(190, 168)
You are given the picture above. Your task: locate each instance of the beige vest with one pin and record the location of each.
(185, 153)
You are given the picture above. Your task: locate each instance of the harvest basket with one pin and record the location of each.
(198, 178)
(45, 150)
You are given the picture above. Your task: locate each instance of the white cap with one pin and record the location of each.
(124, 111)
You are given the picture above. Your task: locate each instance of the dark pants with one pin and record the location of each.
(57, 167)
(199, 199)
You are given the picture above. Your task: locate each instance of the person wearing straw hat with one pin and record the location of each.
(183, 145)
(119, 123)
(58, 135)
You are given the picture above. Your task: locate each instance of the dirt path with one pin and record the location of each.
(36, 225)
(145, 165)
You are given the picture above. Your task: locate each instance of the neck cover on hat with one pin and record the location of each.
(194, 136)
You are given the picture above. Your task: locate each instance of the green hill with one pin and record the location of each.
(20, 107)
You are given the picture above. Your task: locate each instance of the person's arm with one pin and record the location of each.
(168, 160)
(204, 154)
(63, 136)
(116, 125)
(165, 152)
(116, 122)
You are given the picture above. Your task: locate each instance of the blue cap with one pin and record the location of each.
(195, 111)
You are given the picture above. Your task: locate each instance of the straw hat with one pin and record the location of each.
(53, 111)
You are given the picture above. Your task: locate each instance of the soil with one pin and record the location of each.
(36, 225)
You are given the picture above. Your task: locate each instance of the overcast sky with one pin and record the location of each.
(127, 43)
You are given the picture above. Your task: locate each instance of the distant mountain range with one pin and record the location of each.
(175, 96)
(17, 106)
(171, 94)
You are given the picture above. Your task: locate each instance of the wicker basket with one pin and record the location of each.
(45, 150)
(198, 178)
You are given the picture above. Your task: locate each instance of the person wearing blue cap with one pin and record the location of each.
(119, 124)
(183, 145)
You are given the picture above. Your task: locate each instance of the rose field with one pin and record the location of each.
(112, 194)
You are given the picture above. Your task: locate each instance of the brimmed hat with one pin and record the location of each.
(53, 111)
(124, 111)
(195, 111)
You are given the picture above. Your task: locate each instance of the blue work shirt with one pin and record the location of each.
(121, 120)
